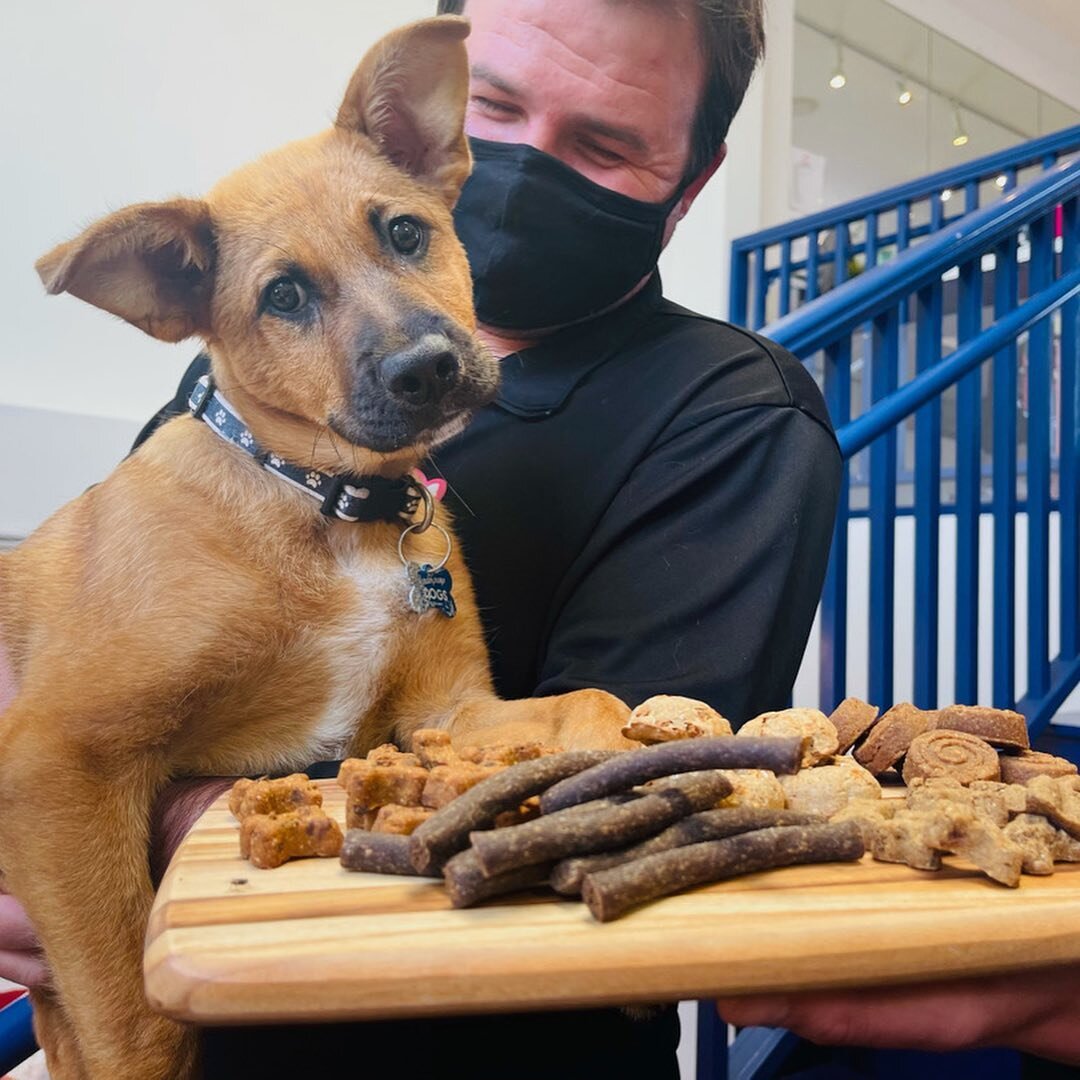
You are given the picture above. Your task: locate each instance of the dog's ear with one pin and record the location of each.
(409, 95)
(151, 264)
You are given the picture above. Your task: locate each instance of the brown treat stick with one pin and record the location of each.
(567, 874)
(697, 785)
(778, 755)
(377, 853)
(580, 831)
(466, 883)
(447, 831)
(611, 893)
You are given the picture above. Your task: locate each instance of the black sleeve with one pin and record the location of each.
(704, 574)
(198, 367)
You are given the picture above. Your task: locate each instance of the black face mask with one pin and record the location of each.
(546, 245)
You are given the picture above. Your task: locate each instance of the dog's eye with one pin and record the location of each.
(406, 234)
(285, 295)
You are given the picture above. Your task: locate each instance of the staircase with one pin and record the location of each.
(948, 351)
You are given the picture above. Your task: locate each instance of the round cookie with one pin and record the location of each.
(666, 717)
(827, 789)
(956, 754)
(890, 737)
(852, 718)
(758, 788)
(812, 724)
(1020, 768)
(999, 727)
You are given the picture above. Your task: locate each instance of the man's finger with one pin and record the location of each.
(26, 969)
(16, 932)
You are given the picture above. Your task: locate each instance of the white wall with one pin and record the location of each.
(118, 101)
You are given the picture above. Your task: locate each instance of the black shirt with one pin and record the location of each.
(647, 507)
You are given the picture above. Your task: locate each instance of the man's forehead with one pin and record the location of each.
(641, 55)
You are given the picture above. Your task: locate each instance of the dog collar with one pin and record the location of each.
(348, 497)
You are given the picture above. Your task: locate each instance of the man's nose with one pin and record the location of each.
(423, 372)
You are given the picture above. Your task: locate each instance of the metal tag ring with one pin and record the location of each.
(429, 510)
(418, 528)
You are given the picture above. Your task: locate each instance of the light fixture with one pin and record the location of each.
(960, 136)
(903, 93)
(839, 79)
(946, 195)
(1001, 180)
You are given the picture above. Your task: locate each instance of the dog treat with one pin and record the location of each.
(754, 788)
(432, 747)
(945, 752)
(377, 853)
(904, 838)
(828, 788)
(567, 874)
(665, 718)
(852, 718)
(581, 831)
(810, 724)
(611, 893)
(1022, 767)
(447, 782)
(467, 884)
(868, 814)
(249, 797)
(391, 754)
(402, 820)
(349, 768)
(1056, 798)
(507, 754)
(698, 786)
(919, 838)
(374, 786)
(989, 799)
(527, 811)
(447, 832)
(631, 767)
(1041, 843)
(890, 737)
(998, 727)
(269, 840)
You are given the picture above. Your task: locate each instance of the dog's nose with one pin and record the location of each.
(422, 373)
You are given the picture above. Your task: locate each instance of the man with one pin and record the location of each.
(647, 506)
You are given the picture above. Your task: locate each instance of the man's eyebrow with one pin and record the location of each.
(478, 71)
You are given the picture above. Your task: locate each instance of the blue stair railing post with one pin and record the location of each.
(1004, 480)
(928, 321)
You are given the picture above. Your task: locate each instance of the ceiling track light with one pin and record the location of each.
(960, 136)
(839, 79)
(903, 93)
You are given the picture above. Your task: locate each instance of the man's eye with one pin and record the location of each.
(601, 153)
(406, 235)
(286, 296)
(492, 106)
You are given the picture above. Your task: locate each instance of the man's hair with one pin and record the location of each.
(733, 42)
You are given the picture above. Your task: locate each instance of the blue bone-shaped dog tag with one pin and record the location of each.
(430, 589)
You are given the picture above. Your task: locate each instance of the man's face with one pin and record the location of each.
(610, 89)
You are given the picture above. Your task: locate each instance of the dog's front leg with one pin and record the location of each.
(73, 842)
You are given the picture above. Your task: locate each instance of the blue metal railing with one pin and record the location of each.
(777, 270)
(1051, 294)
(1045, 213)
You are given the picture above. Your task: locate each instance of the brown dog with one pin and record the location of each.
(196, 614)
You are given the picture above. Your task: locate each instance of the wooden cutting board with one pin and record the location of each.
(229, 943)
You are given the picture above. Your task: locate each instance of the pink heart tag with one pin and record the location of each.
(436, 486)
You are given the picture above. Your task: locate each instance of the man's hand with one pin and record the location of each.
(1036, 1012)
